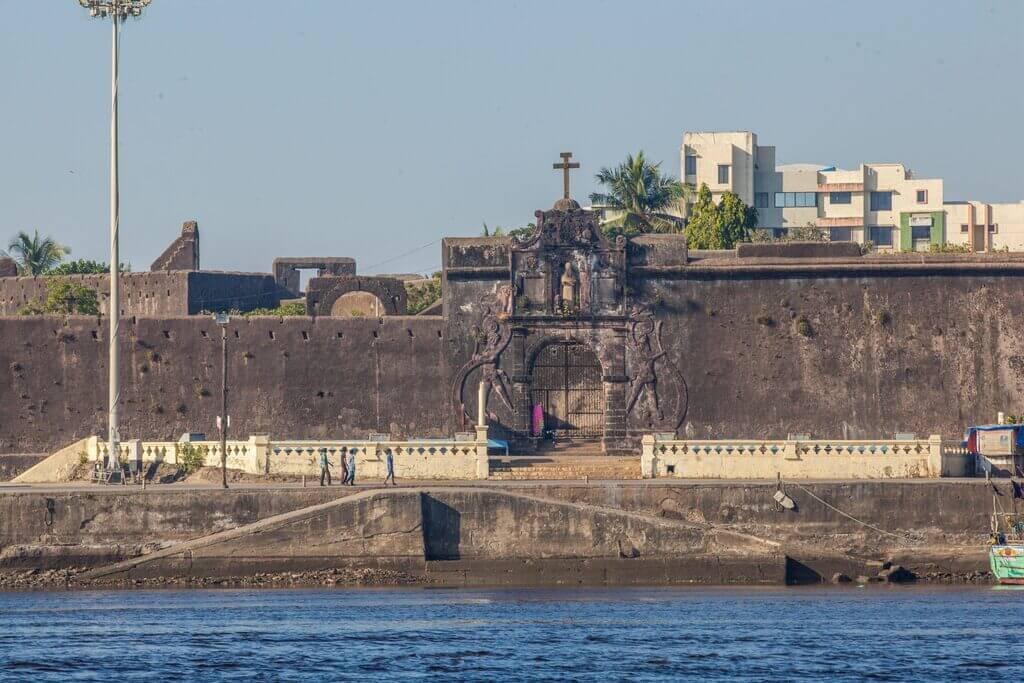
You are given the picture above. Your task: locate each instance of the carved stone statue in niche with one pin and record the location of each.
(585, 286)
(570, 286)
(504, 298)
(647, 342)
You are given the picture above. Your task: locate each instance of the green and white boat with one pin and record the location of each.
(1006, 553)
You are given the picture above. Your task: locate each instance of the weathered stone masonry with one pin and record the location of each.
(650, 338)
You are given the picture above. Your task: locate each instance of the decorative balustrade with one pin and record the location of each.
(817, 458)
(414, 459)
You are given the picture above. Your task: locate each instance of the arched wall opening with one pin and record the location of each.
(358, 305)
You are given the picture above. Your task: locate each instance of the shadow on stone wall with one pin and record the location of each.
(442, 529)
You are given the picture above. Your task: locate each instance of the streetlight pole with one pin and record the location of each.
(222, 319)
(118, 11)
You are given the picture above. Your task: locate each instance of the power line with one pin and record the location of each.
(403, 255)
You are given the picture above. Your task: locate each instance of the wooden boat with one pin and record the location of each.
(1006, 551)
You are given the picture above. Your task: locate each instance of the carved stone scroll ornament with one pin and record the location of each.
(497, 335)
(655, 373)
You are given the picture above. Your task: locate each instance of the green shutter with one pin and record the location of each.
(938, 228)
(906, 243)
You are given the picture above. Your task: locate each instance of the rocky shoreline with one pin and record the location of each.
(67, 579)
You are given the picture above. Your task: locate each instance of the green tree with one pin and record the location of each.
(65, 297)
(637, 197)
(514, 233)
(36, 254)
(84, 267)
(422, 295)
(719, 226)
(805, 233)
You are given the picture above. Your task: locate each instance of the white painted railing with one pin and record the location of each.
(803, 459)
(413, 459)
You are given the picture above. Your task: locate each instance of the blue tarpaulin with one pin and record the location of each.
(970, 439)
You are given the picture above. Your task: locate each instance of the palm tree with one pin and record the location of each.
(638, 197)
(35, 255)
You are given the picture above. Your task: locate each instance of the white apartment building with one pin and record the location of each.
(885, 204)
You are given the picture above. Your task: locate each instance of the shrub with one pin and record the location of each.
(191, 458)
(803, 327)
(950, 249)
(290, 308)
(423, 295)
(883, 318)
(64, 297)
(765, 320)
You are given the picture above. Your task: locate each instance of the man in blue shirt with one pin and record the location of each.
(351, 481)
(389, 462)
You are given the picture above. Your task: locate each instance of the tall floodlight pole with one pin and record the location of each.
(118, 11)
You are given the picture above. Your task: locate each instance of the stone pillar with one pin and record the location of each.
(936, 464)
(481, 404)
(616, 388)
(519, 375)
(259, 454)
(648, 460)
(483, 466)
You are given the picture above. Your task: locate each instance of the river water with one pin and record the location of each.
(878, 633)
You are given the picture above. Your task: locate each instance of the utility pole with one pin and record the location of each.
(222, 319)
(118, 11)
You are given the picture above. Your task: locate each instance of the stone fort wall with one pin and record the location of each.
(156, 294)
(294, 377)
(766, 350)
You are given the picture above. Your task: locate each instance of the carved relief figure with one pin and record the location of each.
(495, 377)
(647, 342)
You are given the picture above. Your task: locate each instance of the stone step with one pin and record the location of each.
(574, 467)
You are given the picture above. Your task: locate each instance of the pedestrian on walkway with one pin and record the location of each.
(389, 462)
(344, 466)
(325, 467)
(351, 481)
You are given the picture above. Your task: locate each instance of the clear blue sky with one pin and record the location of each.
(367, 129)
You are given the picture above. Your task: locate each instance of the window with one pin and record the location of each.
(691, 164)
(881, 235)
(922, 196)
(993, 228)
(964, 227)
(922, 232)
(881, 201)
(795, 199)
(840, 234)
(723, 174)
(840, 197)
(760, 200)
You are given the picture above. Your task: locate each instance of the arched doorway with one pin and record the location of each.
(357, 305)
(567, 384)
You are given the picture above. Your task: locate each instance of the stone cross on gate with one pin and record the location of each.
(566, 166)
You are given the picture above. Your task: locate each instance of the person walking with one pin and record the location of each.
(389, 462)
(351, 481)
(344, 465)
(325, 467)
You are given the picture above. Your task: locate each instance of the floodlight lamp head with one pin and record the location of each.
(119, 9)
